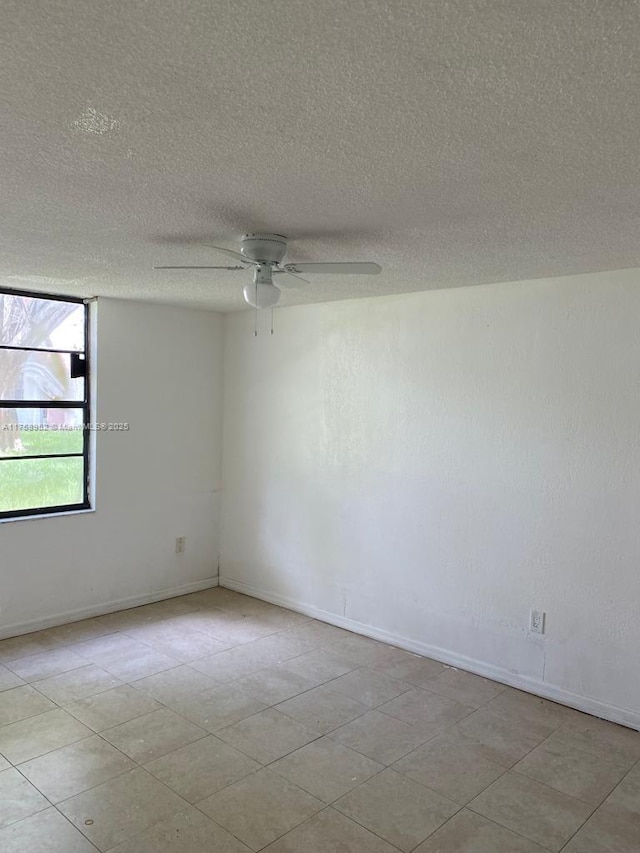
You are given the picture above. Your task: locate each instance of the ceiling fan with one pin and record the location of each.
(265, 253)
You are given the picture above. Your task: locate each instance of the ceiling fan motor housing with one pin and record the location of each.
(264, 248)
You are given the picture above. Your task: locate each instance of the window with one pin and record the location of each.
(44, 404)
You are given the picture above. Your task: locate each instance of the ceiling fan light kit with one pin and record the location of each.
(265, 253)
(262, 293)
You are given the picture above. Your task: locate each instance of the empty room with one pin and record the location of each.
(320, 426)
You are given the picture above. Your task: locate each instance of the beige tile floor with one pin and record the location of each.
(216, 723)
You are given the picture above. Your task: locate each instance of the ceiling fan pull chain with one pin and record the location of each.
(272, 321)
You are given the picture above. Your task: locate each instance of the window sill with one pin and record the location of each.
(85, 511)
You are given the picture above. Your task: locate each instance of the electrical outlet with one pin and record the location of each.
(181, 542)
(536, 621)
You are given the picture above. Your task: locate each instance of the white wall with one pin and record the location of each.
(159, 368)
(428, 467)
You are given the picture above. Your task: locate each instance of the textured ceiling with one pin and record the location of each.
(454, 142)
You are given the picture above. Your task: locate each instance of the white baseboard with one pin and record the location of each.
(595, 707)
(105, 607)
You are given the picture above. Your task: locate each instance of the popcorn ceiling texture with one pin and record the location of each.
(454, 142)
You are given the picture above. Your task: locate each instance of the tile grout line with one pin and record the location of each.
(636, 764)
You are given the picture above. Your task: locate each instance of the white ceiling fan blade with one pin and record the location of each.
(340, 268)
(199, 268)
(229, 252)
(291, 279)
